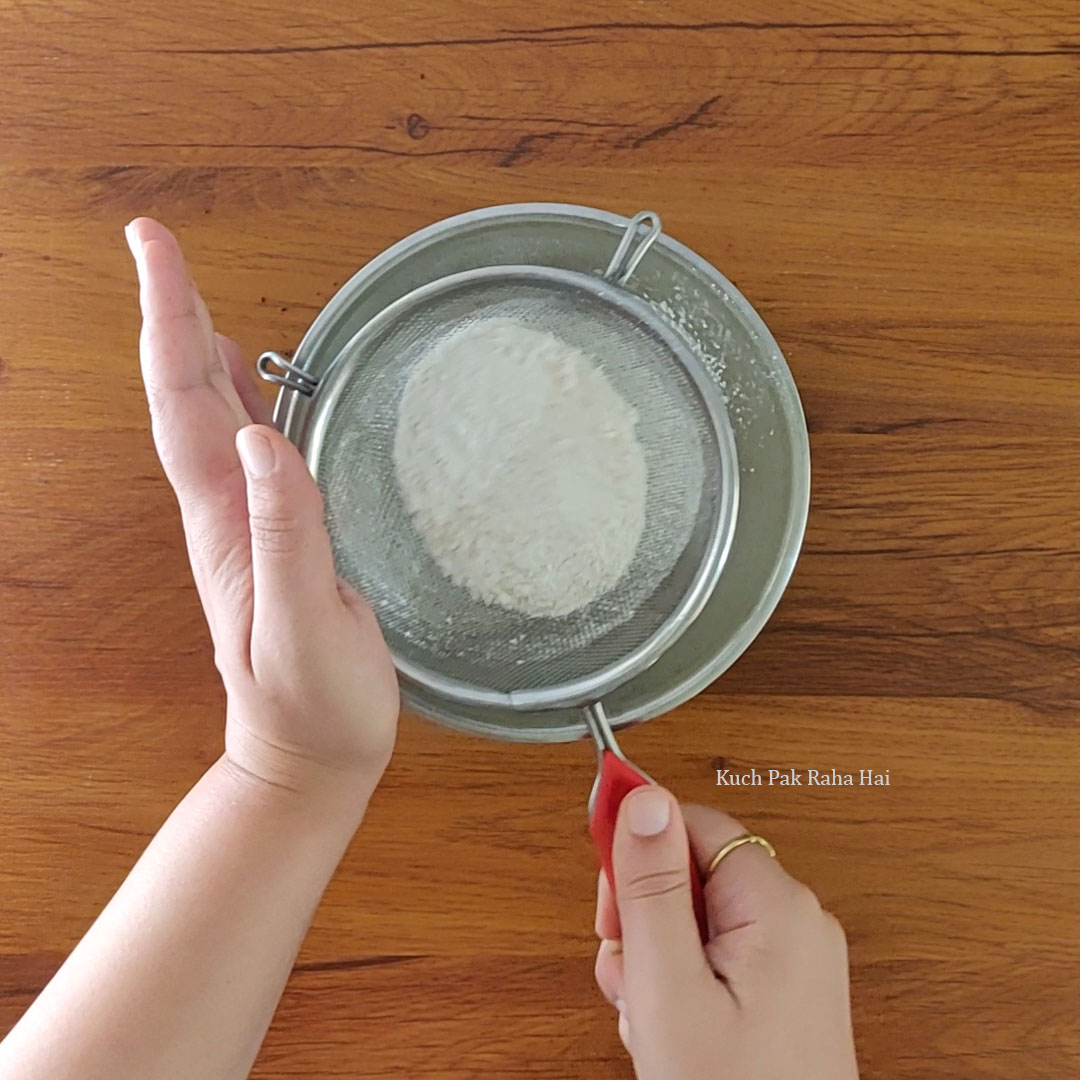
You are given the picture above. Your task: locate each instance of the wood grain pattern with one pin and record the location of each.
(896, 192)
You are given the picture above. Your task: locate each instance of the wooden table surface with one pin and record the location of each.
(897, 194)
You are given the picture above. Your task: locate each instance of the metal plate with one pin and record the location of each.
(740, 353)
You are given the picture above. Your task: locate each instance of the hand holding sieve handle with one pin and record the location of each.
(615, 779)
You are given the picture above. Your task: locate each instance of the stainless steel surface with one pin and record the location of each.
(597, 722)
(274, 368)
(603, 737)
(442, 638)
(627, 256)
(741, 355)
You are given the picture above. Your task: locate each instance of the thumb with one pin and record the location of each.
(651, 862)
(291, 562)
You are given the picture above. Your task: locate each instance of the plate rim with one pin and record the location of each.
(790, 544)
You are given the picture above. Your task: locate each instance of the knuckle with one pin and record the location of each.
(805, 902)
(274, 532)
(834, 929)
(600, 968)
(653, 884)
(227, 662)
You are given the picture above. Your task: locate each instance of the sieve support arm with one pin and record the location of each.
(597, 722)
(632, 249)
(616, 777)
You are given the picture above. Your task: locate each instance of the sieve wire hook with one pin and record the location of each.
(632, 248)
(270, 366)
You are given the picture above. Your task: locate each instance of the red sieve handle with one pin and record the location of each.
(617, 779)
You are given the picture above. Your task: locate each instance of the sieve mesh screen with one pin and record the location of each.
(433, 625)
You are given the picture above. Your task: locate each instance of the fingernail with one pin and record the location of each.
(256, 453)
(648, 812)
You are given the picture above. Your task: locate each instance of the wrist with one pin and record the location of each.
(288, 774)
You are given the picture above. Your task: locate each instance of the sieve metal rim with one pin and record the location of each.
(325, 392)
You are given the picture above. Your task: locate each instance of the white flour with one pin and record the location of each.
(519, 465)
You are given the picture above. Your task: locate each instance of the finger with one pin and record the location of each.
(175, 320)
(255, 405)
(292, 564)
(748, 886)
(609, 971)
(651, 857)
(607, 914)
(195, 414)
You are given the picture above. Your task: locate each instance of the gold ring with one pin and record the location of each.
(731, 845)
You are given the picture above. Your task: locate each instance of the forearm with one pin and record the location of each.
(181, 973)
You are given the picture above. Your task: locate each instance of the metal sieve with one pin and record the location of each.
(441, 636)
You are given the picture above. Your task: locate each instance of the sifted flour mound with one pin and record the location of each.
(519, 465)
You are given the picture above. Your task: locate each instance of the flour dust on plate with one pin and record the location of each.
(520, 467)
